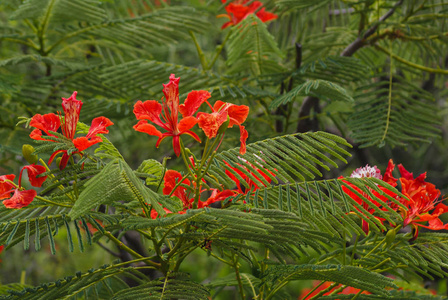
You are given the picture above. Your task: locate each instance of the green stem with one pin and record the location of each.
(374, 248)
(51, 202)
(238, 278)
(354, 250)
(219, 50)
(199, 50)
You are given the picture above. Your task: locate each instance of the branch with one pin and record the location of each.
(310, 101)
(411, 64)
(360, 41)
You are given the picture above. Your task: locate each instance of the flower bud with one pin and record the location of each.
(27, 152)
(224, 126)
(390, 237)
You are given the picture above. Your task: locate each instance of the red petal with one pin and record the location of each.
(176, 145)
(72, 108)
(238, 114)
(186, 124)
(149, 110)
(404, 173)
(6, 188)
(193, 135)
(193, 102)
(82, 143)
(170, 179)
(265, 16)
(388, 177)
(171, 92)
(99, 126)
(20, 199)
(48, 122)
(210, 123)
(33, 171)
(64, 160)
(144, 126)
(243, 137)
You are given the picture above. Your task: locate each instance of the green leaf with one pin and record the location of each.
(114, 184)
(153, 169)
(318, 88)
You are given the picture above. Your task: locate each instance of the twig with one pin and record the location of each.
(360, 42)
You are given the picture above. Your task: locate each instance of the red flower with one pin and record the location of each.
(368, 171)
(238, 11)
(52, 122)
(21, 198)
(166, 114)
(423, 198)
(173, 177)
(221, 111)
(252, 185)
(346, 291)
(33, 172)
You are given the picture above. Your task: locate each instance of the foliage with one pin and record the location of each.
(318, 87)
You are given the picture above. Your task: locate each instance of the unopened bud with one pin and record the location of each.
(27, 152)
(224, 126)
(390, 238)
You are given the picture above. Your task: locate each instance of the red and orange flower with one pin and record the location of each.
(166, 116)
(424, 197)
(240, 9)
(221, 111)
(51, 122)
(20, 197)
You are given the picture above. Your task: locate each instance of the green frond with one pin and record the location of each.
(162, 26)
(319, 88)
(46, 224)
(14, 61)
(282, 158)
(152, 170)
(176, 286)
(115, 183)
(338, 69)
(301, 4)
(426, 256)
(103, 281)
(348, 275)
(230, 280)
(60, 10)
(252, 48)
(398, 114)
(5, 288)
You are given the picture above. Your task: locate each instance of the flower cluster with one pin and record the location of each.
(50, 123)
(240, 9)
(166, 116)
(422, 203)
(21, 197)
